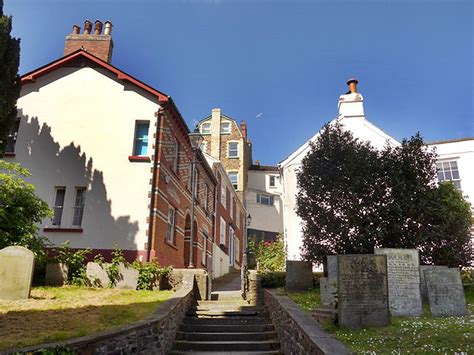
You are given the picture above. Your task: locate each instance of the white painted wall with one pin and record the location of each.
(77, 129)
(220, 262)
(267, 218)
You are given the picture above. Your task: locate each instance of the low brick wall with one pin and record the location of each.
(297, 331)
(154, 335)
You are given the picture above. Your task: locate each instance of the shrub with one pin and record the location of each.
(270, 256)
(75, 262)
(273, 279)
(150, 274)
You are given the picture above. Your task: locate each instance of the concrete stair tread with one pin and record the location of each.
(184, 352)
(226, 320)
(227, 345)
(227, 328)
(223, 313)
(226, 336)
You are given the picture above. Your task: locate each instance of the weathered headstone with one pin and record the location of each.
(403, 271)
(423, 289)
(97, 275)
(299, 275)
(16, 272)
(362, 291)
(332, 266)
(445, 292)
(56, 274)
(328, 291)
(128, 278)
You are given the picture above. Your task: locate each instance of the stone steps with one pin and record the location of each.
(222, 313)
(243, 345)
(226, 328)
(271, 352)
(226, 321)
(225, 336)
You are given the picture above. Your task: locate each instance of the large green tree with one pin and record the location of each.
(20, 210)
(354, 198)
(10, 83)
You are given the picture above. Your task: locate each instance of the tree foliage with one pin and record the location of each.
(9, 79)
(20, 210)
(354, 198)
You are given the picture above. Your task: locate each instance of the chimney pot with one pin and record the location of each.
(97, 27)
(87, 27)
(108, 28)
(76, 29)
(352, 82)
(257, 162)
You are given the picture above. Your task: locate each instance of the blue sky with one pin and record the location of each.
(286, 59)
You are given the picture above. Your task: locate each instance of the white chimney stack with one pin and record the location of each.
(351, 104)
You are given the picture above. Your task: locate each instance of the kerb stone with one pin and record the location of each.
(403, 268)
(16, 272)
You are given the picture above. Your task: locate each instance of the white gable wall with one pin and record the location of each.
(77, 129)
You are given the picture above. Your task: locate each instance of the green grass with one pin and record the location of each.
(417, 335)
(59, 313)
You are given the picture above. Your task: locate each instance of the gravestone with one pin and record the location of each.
(332, 266)
(445, 292)
(128, 278)
(16, 272)
(403, 269)
(299, 275)
(97, 275)
(56, 274)
(362, 291)
(423, 289)
(328, 291)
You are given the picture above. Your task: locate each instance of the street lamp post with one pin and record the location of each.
(244, 268)
(195, 138)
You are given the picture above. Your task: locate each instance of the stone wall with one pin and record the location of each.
(155, 335)
(297, 331)
(254, 293)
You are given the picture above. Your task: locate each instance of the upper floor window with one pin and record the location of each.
(234, 179)
(223, 195)
(205, 195)
(59, 205)
(206, 128)
(225, 127)
(448, 171)
(203, 147)
(175, 154)
(141, 138)
(79, 206)
(12, 136)
(265, 199)
(204, 249)
(231, 207)
(196, 184)
(233, 150)
(272, 181)
(171, 225)
(222, 232)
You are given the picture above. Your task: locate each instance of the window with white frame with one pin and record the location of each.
(170, 234)
(231, 208)
(206, 128)
(272, 181)
(225, 127)
(237, 250)
(175, 154)
(60, 194)
(448, 171)
(79, 203)
(222, 232)
(265, 199)
(223, 195)
(237, 218)
(234, 179)
(233, 150)
(204, 249)
(12, 136)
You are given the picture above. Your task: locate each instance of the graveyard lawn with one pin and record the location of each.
(58, 313)
(417, 335)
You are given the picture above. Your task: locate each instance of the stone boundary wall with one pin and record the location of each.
(298, 332)
(154, 335)
(254, 295)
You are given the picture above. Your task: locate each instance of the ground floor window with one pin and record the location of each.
(60, 194)
(79, 206)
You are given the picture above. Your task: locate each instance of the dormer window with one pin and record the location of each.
(225, 128)
(206, 128)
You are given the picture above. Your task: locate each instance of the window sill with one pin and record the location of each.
(63, 230)
(139, 158)
(9, 155)
(171, 245)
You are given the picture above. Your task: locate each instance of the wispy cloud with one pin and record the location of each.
(259, 115)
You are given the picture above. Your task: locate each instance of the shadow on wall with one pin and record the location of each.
(51, 167)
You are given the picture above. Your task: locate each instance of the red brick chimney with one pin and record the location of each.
(96, 43)
(243, 128)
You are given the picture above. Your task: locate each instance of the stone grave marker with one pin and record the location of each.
(97, 275)
(328, 291)
(423, 289)
(299, 275)
(56, 274)
(403, 271)
(16, 272)
(128, 279)
(332, 266)
(362, 291)
(445, 292)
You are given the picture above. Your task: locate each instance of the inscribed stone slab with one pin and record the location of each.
(403, 270)
(97, 275)
(128, 278)
(445, 292)
(328, 291)
(56, 274)
(299, 275)
(362, 291)
(332, 266)
(423, 289)
(16, 272)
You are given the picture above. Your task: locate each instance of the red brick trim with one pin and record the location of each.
(139, 159)
(171, 245)
(9, 155)
(63, 230)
